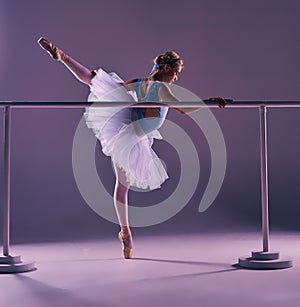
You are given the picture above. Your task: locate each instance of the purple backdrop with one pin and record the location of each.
(246, 50)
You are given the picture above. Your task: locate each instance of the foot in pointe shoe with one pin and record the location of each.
(127, 246)
(50, 47)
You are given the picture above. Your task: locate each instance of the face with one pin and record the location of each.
(170, 74)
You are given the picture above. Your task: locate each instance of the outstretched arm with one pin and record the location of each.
(167, 96)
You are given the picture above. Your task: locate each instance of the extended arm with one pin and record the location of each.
(166, 95)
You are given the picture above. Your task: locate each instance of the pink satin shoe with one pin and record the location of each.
(126, 241)
(51, 48)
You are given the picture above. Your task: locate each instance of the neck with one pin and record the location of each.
(156, 77)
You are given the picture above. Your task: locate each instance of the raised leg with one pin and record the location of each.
(82, 73)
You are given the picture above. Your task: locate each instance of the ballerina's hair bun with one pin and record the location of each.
(170, 57)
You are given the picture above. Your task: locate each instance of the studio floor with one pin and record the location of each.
(183, 270)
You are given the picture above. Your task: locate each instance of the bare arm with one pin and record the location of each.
(166, 95)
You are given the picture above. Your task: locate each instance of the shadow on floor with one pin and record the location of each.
(226, 268)
(45, 295)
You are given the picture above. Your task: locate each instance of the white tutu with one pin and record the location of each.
(120, 137)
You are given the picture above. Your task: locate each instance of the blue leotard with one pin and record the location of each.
(150, 124)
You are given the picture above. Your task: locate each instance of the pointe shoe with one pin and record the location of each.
(51, 48)
(126, 241)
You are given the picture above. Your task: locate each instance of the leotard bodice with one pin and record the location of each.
(150, 124)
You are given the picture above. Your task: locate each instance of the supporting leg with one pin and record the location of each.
(121, 197)
(121, 206)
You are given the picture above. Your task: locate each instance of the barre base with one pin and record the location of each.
(13, 264)
(265, 261)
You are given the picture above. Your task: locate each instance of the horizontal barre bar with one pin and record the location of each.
(181, 104)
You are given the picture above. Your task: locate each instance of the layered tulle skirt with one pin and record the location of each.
(121, 135)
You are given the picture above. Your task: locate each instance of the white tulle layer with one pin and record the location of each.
(120, 137)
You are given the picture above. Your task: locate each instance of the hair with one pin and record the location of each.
(170, 57)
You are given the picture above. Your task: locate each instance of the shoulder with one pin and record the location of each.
(163, 88)
(165, 93)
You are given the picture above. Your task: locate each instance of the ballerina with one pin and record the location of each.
(127, 134)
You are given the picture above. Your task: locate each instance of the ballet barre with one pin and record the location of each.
(264, 259)
(180, 104)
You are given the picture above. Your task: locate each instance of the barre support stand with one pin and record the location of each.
(9, 263)
(265, 259)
